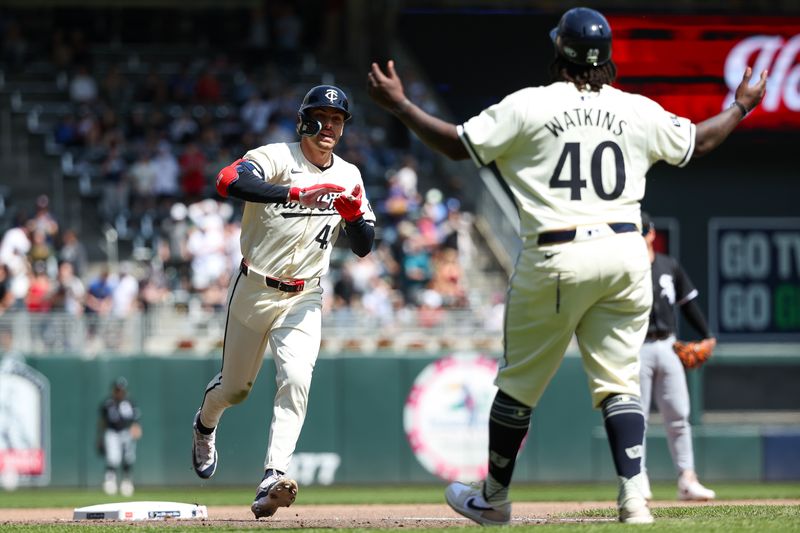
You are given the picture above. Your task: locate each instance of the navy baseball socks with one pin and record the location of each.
(487, 503)
(204, 450)
(275, 490)
(624, 421)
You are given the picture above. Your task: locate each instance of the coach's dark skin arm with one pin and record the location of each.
(387, 91)
(711, 132)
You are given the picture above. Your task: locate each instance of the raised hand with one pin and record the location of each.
(349, 206)
(750, 96)
(386, 89)
(312, 196)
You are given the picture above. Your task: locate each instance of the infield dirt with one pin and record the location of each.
(366, 516)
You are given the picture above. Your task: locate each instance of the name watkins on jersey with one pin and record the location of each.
(585, 117)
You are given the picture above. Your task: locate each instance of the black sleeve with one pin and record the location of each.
(361, 234)
(253, 189)
(695, 318)
(684, 288)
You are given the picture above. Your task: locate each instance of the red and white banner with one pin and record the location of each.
(692, 65)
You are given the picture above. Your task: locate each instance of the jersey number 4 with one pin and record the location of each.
(574, 183)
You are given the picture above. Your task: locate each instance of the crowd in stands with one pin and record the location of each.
(151, 140)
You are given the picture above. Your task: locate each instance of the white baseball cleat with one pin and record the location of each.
(204, 451)
(275, 491)
(692, 490)
(467, 500)
(126, 487)
(631, 502)
(110, 483)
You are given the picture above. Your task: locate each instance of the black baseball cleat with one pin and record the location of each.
(275, 490)
(204, 452)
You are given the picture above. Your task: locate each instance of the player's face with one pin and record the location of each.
(332, 121)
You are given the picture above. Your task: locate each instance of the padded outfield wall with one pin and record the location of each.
(354, 432)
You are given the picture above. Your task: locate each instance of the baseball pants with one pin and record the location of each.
(291, 325)
(598, 289)
(663, 379)
(120, 448)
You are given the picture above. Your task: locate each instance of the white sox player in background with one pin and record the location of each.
(298, 196)
(662, 375)
(574, 155)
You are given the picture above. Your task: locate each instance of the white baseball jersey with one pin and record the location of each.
(291, 241)
(575, 157)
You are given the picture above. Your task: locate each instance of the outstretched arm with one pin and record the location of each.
(711, 132)
(387, 91)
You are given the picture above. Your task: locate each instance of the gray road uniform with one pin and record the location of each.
(662, 375)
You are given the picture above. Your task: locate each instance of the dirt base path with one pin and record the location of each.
(365, 516)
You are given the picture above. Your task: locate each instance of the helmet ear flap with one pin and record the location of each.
(307, 126)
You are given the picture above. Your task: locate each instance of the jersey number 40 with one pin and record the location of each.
(574, 183)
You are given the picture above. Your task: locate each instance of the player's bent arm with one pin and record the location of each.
(239, 181)
(713, 131)
(694, 316)
(361, 234)
(436, 133)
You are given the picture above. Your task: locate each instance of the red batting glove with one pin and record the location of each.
(350, 206)
(312, 196)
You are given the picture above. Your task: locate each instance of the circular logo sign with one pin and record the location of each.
(446, 416)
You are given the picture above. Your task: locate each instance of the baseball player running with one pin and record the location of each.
(662, 376)
(574, 155)
(298, 196)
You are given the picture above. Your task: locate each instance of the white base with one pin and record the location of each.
(141, 511)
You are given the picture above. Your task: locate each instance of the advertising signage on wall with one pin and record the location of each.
(692, 65)
(754, 278)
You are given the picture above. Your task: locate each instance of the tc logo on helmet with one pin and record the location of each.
(331, 95)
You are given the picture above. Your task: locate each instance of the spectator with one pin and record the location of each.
(6, 297)
(168, 172)
(115, 89)
(208, 89)
(193, 178)
(181, 86)
(74, 252)
(14, 250)
(183, 128)
(255, 114)
(44, 220)
(39, 292)
(83, 87)
(98, 302)
(66, 131)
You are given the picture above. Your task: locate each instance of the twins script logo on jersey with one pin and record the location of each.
(331, 95)
(448, 410)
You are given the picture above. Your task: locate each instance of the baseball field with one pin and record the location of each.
(583, 507)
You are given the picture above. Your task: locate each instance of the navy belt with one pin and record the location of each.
(567, 235)
(295, 285)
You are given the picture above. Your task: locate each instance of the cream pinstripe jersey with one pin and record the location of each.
(573, 157)
(288, 240)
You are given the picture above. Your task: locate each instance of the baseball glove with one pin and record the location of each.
(694, 354)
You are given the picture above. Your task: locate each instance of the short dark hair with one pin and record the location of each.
(583, 75)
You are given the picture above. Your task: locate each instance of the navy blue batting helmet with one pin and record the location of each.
(583, 37)
(321, 96)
